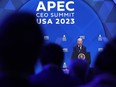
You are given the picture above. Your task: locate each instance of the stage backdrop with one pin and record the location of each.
(87, 25)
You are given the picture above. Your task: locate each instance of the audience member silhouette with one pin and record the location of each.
(21, 40)
(105, 66)
(91, 74)
(79, 70)
(52, 75)
(106, 60)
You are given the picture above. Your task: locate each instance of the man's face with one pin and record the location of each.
(79, 42)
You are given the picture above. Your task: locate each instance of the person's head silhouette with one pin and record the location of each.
(52, 54)
(79, 69)
(106, 60)
(21, 39)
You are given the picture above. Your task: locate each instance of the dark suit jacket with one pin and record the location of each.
(53, 77)
(77, 50)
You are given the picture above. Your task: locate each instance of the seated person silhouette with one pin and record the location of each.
(52, 58)
(79, 70)
(105, 65)
(21, 40)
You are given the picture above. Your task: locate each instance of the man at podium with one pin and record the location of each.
(79, 48)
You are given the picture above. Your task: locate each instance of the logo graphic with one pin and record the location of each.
(81, 56)
(55, 12)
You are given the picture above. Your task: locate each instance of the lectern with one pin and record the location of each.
(83, 55)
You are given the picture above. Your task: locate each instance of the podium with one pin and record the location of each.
(83, 55)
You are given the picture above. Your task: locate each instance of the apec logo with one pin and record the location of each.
(59, 12)
(60, 5)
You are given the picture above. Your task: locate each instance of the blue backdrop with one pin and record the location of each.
(87, 24)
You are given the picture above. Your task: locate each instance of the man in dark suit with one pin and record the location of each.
(52, 75)
(79, 48)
